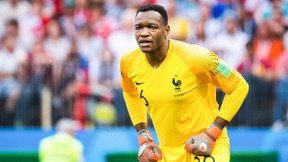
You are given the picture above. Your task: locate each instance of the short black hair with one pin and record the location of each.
(157, 8)
(12, 22)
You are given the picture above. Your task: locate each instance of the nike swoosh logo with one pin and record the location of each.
(139, 83)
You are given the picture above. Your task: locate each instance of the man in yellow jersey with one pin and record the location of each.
(176, 82)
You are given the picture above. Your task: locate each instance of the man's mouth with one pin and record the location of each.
(145, 43)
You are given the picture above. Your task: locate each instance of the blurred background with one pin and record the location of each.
(60, 59)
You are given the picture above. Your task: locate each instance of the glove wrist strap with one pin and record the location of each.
(215, 125)
(144, 136)
(214, 131)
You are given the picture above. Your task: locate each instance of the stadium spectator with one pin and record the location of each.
(81, 13)
(56, 44)
(254, 109)
(268, 48)
(13, 9)
(31, 24)
(67, 21)
(119, 42)
(200, 37)
(89, 48)
(213, 26)
(102, 24)
(62, 146)
(65, 90)
(122, 40)
(102, 86)
(179, 24)
(280, 112)
(277, 23)
(262, 75)
(106, 68)
(38, 73)
(230, 44)
(88, 45)
(11, 60)
(116, 7)
(75, 15)
(246, 21)
(12, 28)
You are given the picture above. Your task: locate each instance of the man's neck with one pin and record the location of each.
(157, 57)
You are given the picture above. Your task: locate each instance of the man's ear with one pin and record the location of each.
(167, 29)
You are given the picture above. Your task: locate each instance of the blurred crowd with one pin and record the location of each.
(66, 54)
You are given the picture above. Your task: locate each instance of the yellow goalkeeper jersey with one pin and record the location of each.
(180, 95)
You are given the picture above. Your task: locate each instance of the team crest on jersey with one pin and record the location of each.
(177, 83)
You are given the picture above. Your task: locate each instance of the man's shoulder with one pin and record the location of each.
(131, 55)
(46, 140)
(189, 51)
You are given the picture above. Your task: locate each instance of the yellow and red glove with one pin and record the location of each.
(148, 151)
(203, 143)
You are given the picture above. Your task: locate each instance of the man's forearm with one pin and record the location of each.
(136, 108)
(233, 101)
(6, 74)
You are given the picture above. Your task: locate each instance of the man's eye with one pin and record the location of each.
(137, 28)
(153, 27)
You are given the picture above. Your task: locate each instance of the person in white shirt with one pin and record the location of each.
(120, 42)
(11, 59)
(230, 44)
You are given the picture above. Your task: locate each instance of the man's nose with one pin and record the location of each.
(144, 32)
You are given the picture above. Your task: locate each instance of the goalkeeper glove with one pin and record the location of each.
(148, 150)
(203, 143)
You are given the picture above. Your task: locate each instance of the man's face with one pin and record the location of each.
(150, 31)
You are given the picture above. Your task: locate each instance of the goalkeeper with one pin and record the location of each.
(176, 82)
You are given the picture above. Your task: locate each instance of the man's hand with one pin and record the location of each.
(203, 143)
(148, 151)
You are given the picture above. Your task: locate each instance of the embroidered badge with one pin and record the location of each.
(177, 83)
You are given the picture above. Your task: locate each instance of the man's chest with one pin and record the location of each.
(170, 84)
